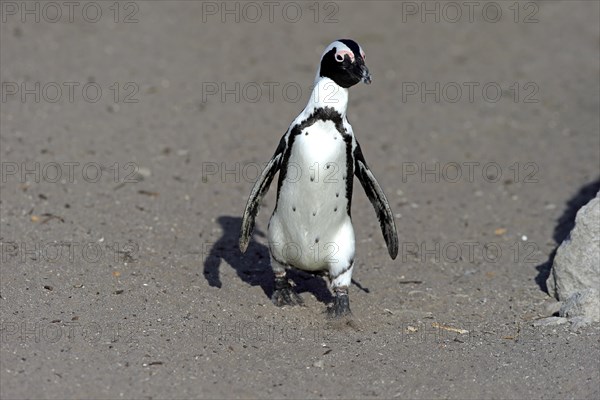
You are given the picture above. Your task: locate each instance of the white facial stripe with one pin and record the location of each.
(362, 53)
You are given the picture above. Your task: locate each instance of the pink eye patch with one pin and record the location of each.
(340, 55)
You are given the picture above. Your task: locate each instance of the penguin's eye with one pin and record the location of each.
(363, 55)
(341, 55)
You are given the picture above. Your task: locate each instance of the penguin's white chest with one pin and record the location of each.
(311, 215)
(319, 158)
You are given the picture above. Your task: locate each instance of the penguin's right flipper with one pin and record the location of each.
(258, 191)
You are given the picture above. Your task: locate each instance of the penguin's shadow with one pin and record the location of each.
(253, 267)
(563, 228)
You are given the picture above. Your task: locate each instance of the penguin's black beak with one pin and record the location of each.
(366, 76)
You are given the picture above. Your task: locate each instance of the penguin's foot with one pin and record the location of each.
(341, 304)
(284, 294)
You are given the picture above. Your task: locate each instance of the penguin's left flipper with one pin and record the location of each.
(258, 191)
(379, 201)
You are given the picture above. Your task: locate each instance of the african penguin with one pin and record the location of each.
(317, 158)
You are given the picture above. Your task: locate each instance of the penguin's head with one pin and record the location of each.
(343, 62)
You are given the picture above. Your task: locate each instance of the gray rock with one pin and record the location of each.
(553, 308)
(577, 263)
(582, 307)
(579, 322)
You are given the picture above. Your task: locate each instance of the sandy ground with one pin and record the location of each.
(125, 173)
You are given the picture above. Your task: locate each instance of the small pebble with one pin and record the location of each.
(145, 172)
(550, 321)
